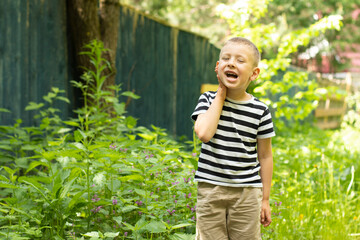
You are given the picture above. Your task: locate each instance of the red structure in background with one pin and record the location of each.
(353, 54)
(350, 54)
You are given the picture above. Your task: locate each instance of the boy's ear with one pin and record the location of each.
(217, 66)
(255, 74)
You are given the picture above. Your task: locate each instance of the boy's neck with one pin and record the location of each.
(238, 96)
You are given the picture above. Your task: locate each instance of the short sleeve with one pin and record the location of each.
(202, 106)
(266, 126)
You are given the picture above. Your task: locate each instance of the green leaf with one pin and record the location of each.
(64, 130)
(128, 208)
(156, 227)
(79, 146)
(129, 226)
(79, 135)
(37, 186)
(72, 123)
(135, 177)
(76, 199)
(92, 234)
(8, 185)
(182, 236)
(21, 212)
(130, 122)
(181, 225)
(3, 178)
(64, 99)
(147, 136)
(120, 108)
(118, 219)
(140, 192)
(9, 170)
(111, 234)
(33, 106)
(35, 164)
(130, 94)
(66, 188)
(4, 110)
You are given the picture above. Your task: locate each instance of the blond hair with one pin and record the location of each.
(246, 42)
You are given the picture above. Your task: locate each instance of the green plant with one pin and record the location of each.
(294, 94)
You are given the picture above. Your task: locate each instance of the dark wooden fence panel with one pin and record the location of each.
(166, 67)
(33, 55)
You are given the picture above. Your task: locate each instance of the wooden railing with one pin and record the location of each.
(331, 109)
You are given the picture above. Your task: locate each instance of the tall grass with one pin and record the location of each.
(315, 186)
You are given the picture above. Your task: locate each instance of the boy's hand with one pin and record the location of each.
(222, 88)
(265, 217)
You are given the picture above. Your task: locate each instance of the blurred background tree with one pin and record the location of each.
(94, 20)
(203, 17)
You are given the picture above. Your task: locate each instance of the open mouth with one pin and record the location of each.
(231, 75)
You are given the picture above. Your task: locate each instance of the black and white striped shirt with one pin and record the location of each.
(230, 157)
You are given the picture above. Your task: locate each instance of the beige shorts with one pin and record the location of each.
(228, 213)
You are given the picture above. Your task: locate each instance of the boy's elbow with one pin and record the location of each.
(203, 135)
(204, 139)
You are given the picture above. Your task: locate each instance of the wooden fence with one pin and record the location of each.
(163, 64)
(332, 108)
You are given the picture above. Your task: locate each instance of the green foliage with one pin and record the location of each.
(315, 185)
(103, 179)
(294, 96)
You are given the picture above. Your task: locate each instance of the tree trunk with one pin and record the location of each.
(89, 20)
(109, 28)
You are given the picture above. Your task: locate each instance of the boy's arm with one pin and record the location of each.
(266, 162)
(206, 123)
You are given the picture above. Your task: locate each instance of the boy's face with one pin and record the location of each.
(236, 67)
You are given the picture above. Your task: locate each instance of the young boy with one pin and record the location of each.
(235, 165)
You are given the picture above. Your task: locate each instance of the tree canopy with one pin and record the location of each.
(204, 17)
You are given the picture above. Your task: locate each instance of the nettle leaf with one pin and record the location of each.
(140, 192)
(76, 199)
(115, 184)
(135, 177)
(64, 99)
(35, 164)
(92, 234)
(118, 219)
(33, 106)
(147, 137)
(156, 227)
(79, 146)
(4, 110)
(3, 178)
(128, 208)
(72, 123)
(8, 185)
(79, 135)
(181, 225)
(182, 236)
(111, 234)
(64, 130)
(130, 94)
